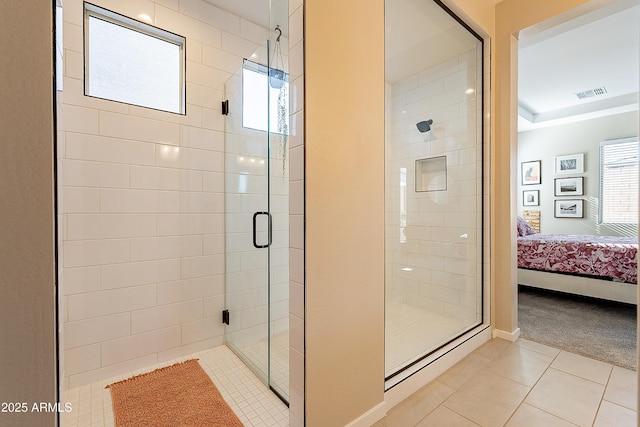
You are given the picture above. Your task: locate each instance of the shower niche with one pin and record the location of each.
(431, 174)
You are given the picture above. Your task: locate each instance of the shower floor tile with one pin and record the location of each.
(249, 398)
(411, 331)
(279, 359)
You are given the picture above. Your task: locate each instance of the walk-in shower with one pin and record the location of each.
(173, 228)
(433, 191)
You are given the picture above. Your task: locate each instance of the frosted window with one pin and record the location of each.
(260, 98)
(133, 65)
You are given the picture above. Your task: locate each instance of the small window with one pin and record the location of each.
(619, 181)
(132, 62)
(262, 94)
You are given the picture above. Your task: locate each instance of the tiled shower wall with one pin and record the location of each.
(443, 228)
(142, 201)
(296, 215)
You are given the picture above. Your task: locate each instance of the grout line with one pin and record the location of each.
(532, 387)
(595, 417)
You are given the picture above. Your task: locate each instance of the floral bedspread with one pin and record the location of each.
(607, 256)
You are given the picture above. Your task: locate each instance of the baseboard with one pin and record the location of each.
(370, 417)
(509, 336)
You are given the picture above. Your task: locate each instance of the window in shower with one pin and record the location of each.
(256, 100)
(434, 183)
(132, 62)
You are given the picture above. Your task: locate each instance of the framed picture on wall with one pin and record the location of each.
(569, 208)
(570, 164)
(531, 198)
(531, 172)
(569, 186)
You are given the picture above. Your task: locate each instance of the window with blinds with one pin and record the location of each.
(619, 181)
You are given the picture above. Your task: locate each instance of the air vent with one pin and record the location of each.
(591, 93)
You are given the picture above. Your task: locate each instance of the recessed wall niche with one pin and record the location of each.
(431, 174)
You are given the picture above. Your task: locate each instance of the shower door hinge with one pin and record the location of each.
(225, 107)
(225, 317)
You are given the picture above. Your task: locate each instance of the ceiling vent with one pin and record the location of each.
(591, 93)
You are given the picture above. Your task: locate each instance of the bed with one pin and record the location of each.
(597, 266)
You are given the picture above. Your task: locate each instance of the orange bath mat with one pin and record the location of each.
(176, 395)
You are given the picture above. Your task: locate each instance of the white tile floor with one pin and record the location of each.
(249, 398)
(407, 337)
(279, 361)
(522, 384)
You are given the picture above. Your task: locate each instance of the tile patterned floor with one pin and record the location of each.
(279, 361)
(249, 398)
(522, 384)
(406, 338)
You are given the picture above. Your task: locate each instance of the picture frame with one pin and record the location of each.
(569, 208)
(531, 198)
(569, 186)
(570, 164)
(531, 172)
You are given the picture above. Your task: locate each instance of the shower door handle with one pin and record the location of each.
(255, 230)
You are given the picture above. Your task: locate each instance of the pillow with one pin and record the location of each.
(524, 229)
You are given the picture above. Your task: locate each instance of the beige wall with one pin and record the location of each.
(344, 105)
(27, 270)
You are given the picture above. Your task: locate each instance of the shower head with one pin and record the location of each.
(424, 126)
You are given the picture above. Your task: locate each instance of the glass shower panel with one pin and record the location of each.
(433, 181)
(257, 215)
(247, 218)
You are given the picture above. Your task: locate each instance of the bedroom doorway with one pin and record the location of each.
(577, 130)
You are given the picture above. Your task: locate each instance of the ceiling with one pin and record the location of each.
(596, 50)
(266, 13)
(420, 34)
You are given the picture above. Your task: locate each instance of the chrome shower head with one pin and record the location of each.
(424, 126)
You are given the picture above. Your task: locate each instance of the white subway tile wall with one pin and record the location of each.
(142, 201)
(433, 238)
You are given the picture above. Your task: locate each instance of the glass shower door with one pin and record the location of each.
(257, 220)
(247, 218)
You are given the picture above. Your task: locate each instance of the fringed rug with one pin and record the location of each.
(176, 395)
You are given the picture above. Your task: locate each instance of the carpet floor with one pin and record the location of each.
(595, 328)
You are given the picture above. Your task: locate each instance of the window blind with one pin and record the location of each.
(619, 181)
